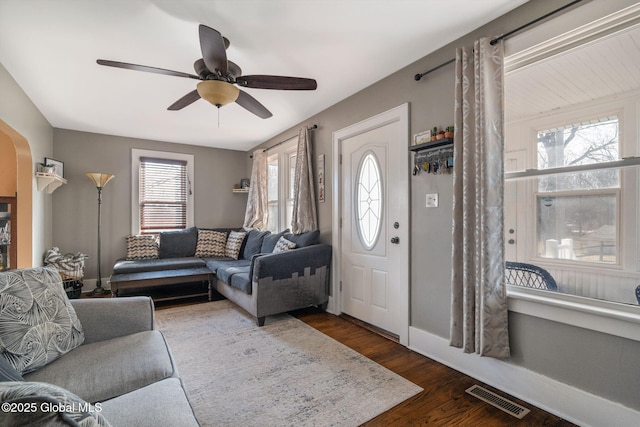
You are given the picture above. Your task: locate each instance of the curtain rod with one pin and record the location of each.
(417, 77)
(282, 142)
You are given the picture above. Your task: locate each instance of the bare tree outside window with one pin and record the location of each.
(577, 212)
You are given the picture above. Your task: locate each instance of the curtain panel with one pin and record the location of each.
(304, 216)
(479, 301)
(255, 215)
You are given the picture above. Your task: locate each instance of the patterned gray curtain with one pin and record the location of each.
(256, 213)
(479, 299)
(305, 216)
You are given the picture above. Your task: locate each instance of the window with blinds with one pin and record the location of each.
(164, 188)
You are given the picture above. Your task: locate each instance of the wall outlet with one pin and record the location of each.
(432, 200)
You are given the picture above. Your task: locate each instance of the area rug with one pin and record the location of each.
(285, 373)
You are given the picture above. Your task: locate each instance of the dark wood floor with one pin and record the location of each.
(443, 401)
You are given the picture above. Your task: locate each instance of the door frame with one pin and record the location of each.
(398, 114)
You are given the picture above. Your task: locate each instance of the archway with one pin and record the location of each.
(17, 168)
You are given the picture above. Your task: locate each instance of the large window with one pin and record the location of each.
(577, 211)
(162, 191)
(281, 164)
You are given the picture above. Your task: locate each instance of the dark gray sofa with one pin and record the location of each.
(260, 281)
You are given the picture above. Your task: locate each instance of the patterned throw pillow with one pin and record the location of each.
(283, 245)
(142, 246)
(211, 243)
(47, 404)
(37, 322)
(234, 243)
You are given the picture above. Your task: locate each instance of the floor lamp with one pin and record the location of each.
(100, 180)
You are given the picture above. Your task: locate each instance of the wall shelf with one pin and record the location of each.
(240, 190)
(49, 181)
(432, 145)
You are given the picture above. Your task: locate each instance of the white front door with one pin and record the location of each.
(374, 213)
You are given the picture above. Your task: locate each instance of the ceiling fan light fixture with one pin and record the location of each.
(218, 92)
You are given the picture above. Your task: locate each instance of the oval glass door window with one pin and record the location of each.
(369, 200)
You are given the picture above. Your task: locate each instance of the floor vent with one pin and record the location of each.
(498, 401)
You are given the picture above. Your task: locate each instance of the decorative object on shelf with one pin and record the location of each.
(45, 168)
(244, 183)
(422, 137)
(100, 180)
(448, 132)
(58, 166)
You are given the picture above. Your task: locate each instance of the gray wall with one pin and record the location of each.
(598, 363)
(17, 110)
(75, 204)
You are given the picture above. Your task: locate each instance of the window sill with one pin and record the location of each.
(603, 316)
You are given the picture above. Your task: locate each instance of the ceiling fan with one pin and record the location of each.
(220, 76)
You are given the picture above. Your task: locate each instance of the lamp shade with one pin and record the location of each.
(217, 92)
(99, 179)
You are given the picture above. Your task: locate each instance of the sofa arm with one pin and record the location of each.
(283, 264)
(106, 318)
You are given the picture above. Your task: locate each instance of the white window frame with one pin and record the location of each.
(283, 153)
(136, 154)
(604, 316)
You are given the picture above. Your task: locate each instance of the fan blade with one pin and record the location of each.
(135, 67)
(277, 82)
(251, 104)
(186, 100)
(213, 50)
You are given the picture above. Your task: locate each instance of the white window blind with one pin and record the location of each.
(164, 191)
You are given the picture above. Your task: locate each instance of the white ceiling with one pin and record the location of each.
(602, 68)
(50, 48)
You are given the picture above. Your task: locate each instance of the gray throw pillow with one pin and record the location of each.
(37, 322)
(304, 239)
(45, 404)
(253, 243)
(178, 244)
(8, 372)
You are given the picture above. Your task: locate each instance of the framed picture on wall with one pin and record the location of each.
(58, 167)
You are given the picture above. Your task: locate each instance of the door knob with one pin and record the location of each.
(395, 240)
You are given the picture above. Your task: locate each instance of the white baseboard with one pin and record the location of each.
(571, 403)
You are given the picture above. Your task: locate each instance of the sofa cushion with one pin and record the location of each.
(142, 246)
(110, 368)
(214, 264)
(234, 243)
(253, 243)
(37, 322)
(42, 401)
(225, 273)
(180, 243)
(304, 239)
(138, 266)
(241, 281)
(163, 403)
(269, 242)
(8, 372)
(284, 245)
(210, 243)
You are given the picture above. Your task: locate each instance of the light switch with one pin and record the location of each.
(432, 200)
